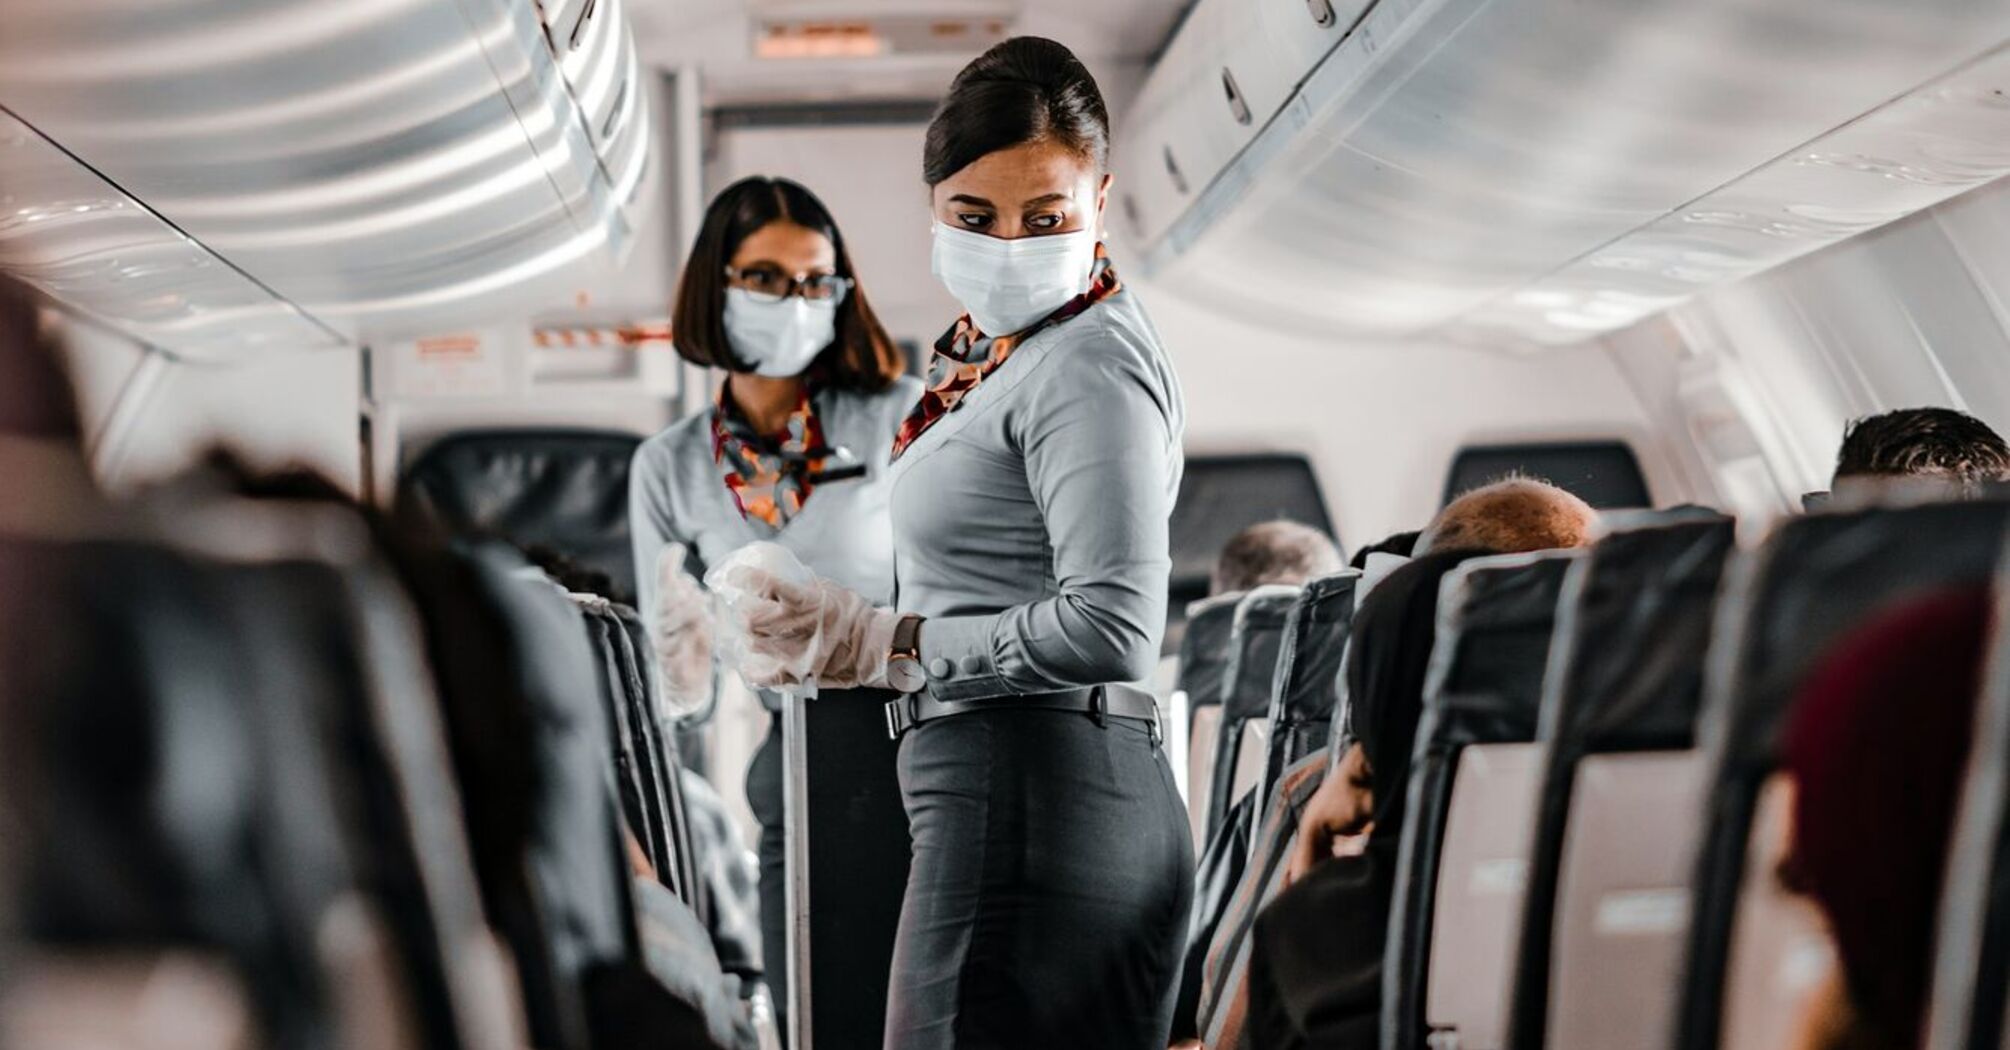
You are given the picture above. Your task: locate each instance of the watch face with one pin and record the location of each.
(905, 675)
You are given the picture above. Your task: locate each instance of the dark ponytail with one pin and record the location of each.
(1027, 89)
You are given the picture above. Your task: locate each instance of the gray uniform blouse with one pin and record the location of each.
(1030, 524)
(677, 494)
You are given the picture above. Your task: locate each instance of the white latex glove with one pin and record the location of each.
(682, 635)
(790, 629)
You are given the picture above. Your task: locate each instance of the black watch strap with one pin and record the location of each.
(907, 636)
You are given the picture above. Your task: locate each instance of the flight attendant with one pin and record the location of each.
(794, 450)
(1033, 483)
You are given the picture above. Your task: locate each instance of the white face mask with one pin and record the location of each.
(779, 339)
(1008, 285)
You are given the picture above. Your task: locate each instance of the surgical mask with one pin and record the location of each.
(1009, 285)
(778, 338)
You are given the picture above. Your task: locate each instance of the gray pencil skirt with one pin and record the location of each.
(1051, 880)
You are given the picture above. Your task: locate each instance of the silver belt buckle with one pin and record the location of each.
(899, 717)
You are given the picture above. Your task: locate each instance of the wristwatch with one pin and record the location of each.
(903, 660)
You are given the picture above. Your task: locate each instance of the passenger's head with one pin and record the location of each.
(1273, 552)
(1923, 442)
(1876, 745)
(1388, 652)
(770, 289)
(1020, 145)
(1509, 517)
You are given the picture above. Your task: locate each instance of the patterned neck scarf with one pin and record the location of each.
(769, 475)
(964, 355)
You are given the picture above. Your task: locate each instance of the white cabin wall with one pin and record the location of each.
(1382, 421)
(148, 416)
(1908, 315)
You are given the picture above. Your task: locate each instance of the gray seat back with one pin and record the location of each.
(1496, 616)
(1305, 692)
(1815, 578)
(1972, 967)
(1256, 639)
(1626, 675)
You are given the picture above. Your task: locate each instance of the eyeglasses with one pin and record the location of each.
(771, 285)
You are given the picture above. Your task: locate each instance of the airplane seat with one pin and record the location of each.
(1482, 691)
(1972, 946)
(645, 772)
(234, 760)
(1251, 627)
(1779, 953)
(1203, 660)
(1305, 695)
(562, 488)
(1618, 795)
(1304, 698)
(1255, 639)
(134, 799)
(1812, 580)
(532, 745)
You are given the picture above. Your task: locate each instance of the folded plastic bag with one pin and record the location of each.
(769, 617)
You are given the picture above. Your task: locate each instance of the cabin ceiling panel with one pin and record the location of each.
(1539, 170)
(371, 161)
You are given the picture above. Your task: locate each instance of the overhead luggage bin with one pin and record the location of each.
(385, 166)
(1228, 73)
(1543, 170)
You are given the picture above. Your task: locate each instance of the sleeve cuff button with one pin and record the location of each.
(940, 667)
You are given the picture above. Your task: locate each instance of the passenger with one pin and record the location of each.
(1315, 970)
(1936, 443)
(1877, 787)
(794, 450)
(1272, 552)
(1052, 865)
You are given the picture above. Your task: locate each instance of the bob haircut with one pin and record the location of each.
(1027, 89)
(862, 357)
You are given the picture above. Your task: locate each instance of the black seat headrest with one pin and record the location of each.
(1307, 688)
(1255, 641)
(1495, 623)
(1204, 651)
(1632, 632)
(566, 489)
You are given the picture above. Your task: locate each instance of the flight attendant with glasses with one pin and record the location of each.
(794, 450)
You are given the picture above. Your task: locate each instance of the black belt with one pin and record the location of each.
(1100, 703)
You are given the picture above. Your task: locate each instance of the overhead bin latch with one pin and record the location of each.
(1322, 12)
(1237, 105)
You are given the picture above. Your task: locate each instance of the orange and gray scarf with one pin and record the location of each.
(770, 475)
(964, 355)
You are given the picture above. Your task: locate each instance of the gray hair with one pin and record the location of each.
(1273, 552)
